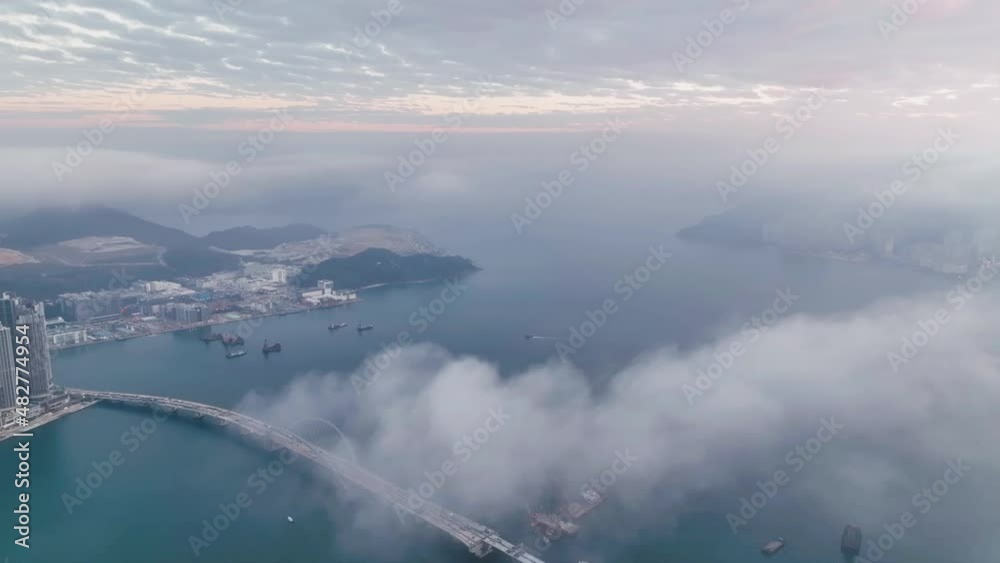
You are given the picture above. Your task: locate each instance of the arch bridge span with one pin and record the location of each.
(478, 538)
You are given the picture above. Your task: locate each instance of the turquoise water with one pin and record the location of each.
(175, 479)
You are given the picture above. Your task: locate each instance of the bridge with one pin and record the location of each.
(479, 539)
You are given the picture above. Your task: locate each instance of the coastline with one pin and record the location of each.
(209, 323)
(51, 416)
(212, 323)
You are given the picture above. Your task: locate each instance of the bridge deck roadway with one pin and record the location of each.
(475, 536)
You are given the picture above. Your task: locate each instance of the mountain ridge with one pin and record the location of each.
(254, 238)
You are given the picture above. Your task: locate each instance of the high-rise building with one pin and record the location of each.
(39, 364)
(8, 373)
(8, 310)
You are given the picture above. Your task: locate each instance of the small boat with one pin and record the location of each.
(773, 546)
(236, 354)
(270, 348)
(290, 519)
(362, 328)
(337, 326)
(529, 336)
(850, 541)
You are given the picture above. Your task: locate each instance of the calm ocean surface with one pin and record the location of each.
(148, 507)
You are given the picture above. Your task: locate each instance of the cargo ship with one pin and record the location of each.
(362, 328)
(236, 354)
(773, 546)
(850, 541)
(337, 326)
(564, 521)
(552, 526)
(592, 499)
(232, 339)
(271, 348)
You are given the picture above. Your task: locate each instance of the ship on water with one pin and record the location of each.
(337, 326)
(271, 348)
(236, 354)
(563, 522)
(230, 339)
(362, 328)
(552, 526)
(850, 541)
(592, 499)
(773, 546)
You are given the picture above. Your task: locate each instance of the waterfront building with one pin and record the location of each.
(8, 309)
(8, 373)
(39, 363)
(68, 337)
(324, 292)
(190, 314)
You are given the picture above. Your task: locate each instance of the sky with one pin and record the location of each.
(166, 93)
(349, 66)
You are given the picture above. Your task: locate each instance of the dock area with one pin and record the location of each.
(10, 430)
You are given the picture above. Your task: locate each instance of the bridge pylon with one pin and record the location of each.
(481, 549)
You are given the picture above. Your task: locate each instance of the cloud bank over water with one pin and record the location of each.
(900, 430)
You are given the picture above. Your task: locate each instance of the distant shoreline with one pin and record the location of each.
(206, 324)
(255, 316)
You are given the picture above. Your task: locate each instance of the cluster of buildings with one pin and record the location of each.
(325, 292)
(142, 308)
(19, 318)
(151, 307)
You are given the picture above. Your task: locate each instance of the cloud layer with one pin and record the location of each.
(900, 429)
(378, 63)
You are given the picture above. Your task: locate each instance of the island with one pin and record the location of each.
(935, 240)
